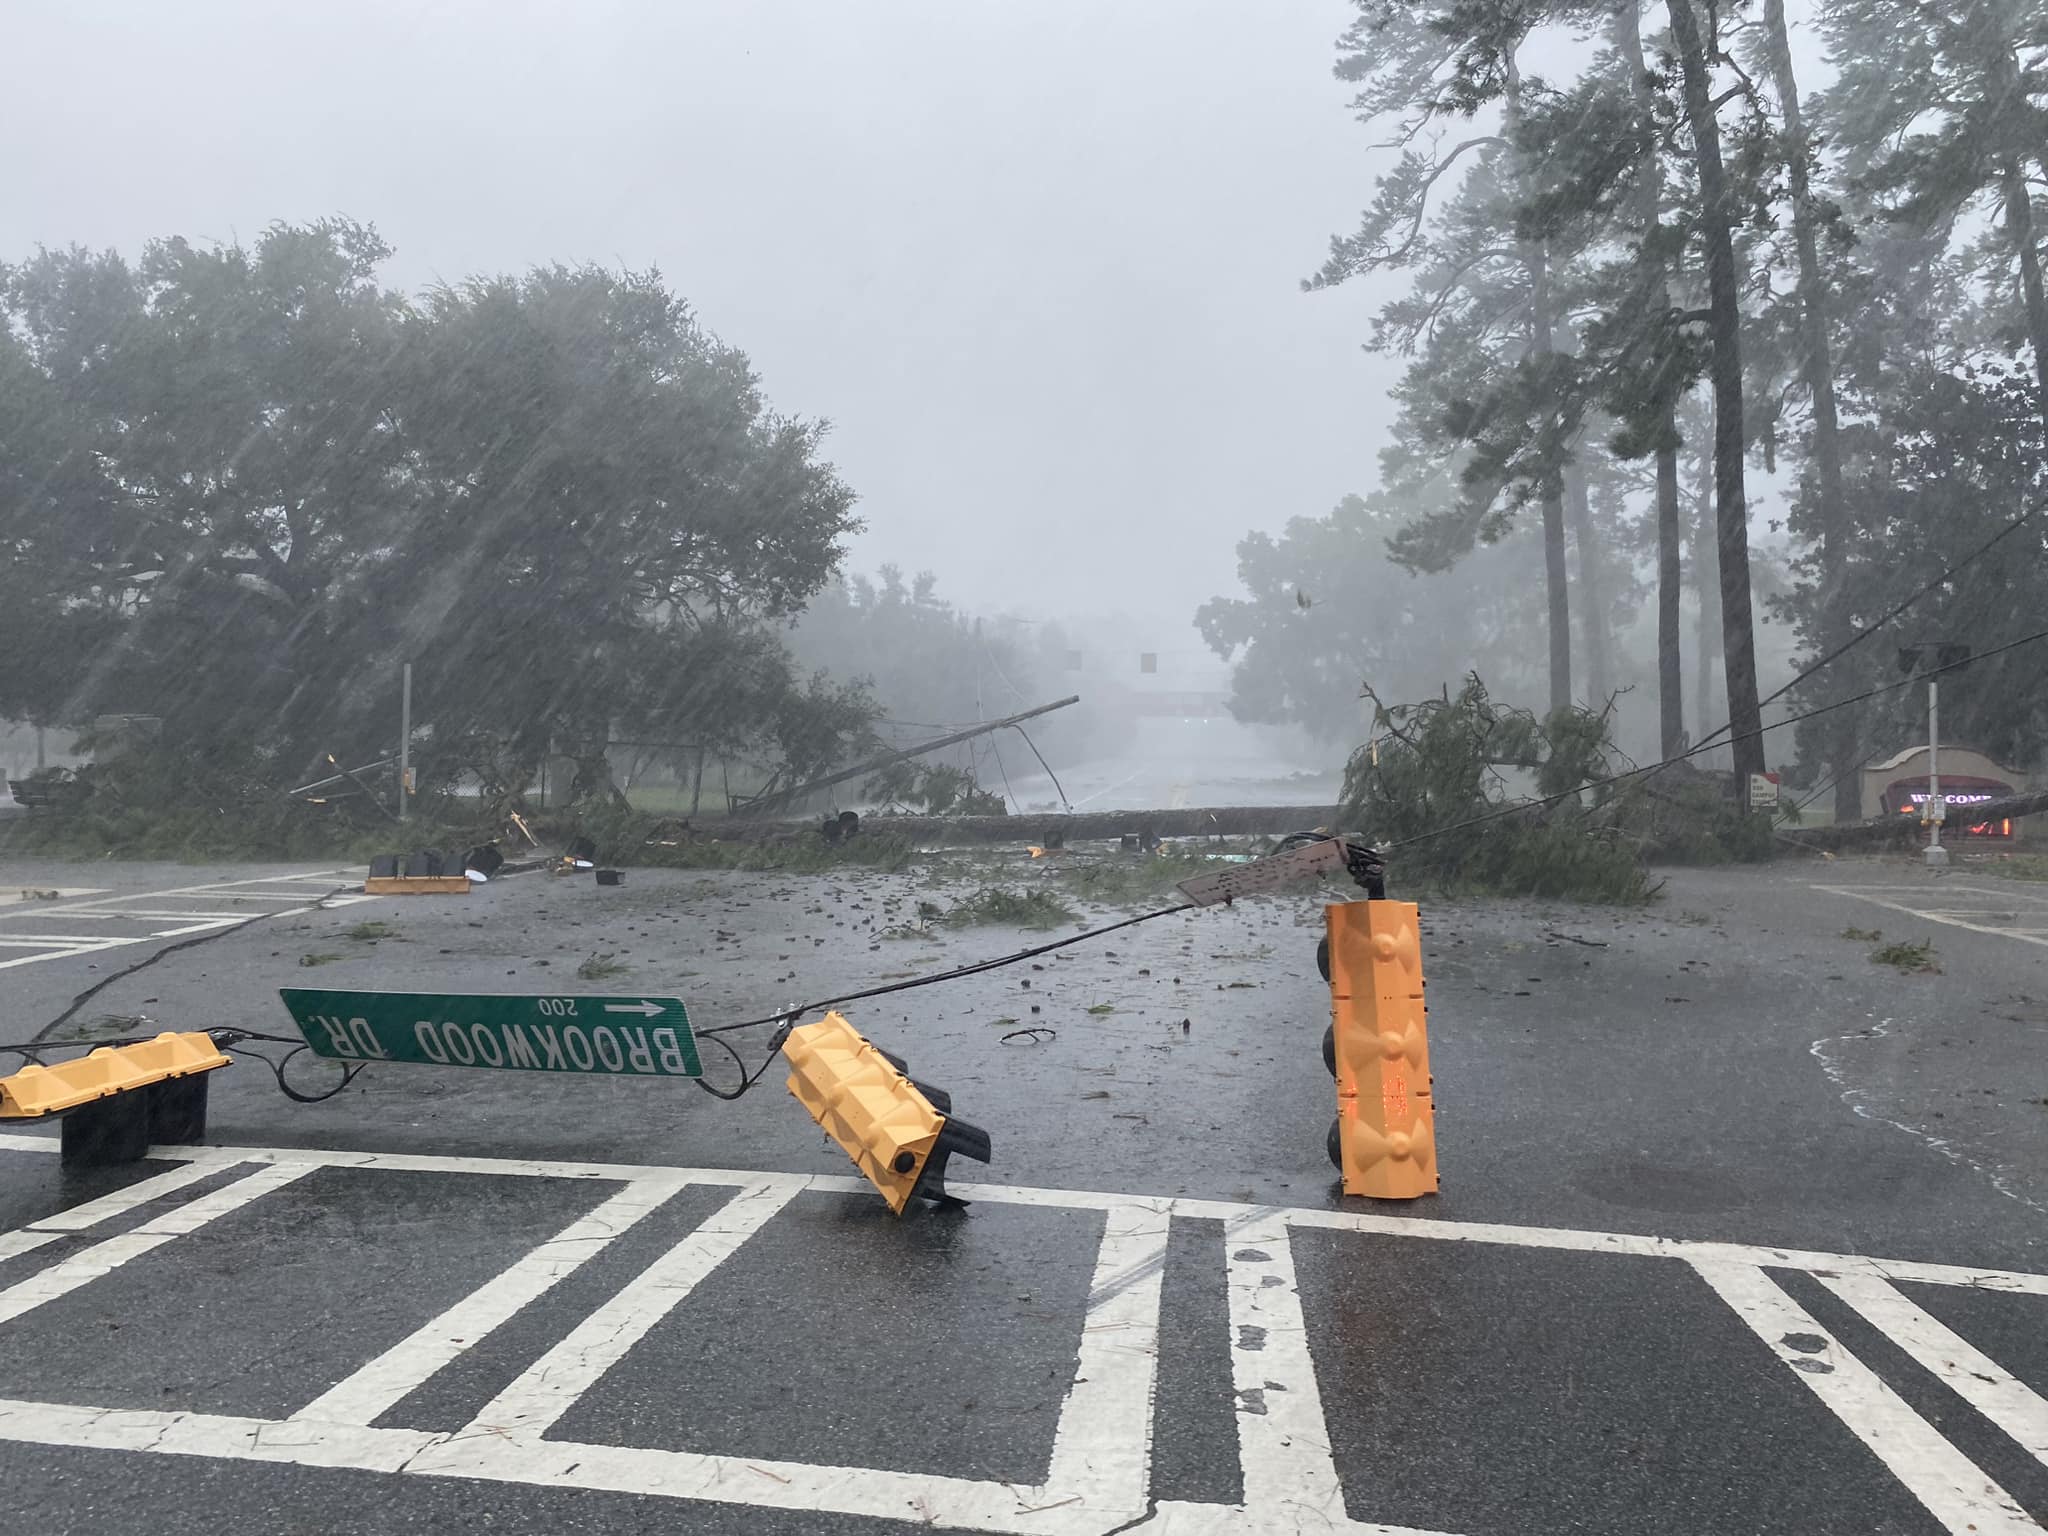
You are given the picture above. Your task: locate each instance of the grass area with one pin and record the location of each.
(1913, 959)
(628, 839)
(369, 933)
(283, 833)
(2018, 866)
(1011, 909)
(1122, 878)
(598, 967)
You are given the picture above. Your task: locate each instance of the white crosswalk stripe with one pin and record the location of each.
(1099, 1470)
(79, 923)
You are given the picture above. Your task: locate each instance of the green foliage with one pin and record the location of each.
(1949, 459)
(184, 802)
(627, 837)
(1326, 610)
(1432, 768)
(1863, 935)
(369, 933)
(933, 789)
(244, 483)
(2021, 866)
(1005, 907)
(1120, 879)
(1913, 959)
(1435, 765)
(1680, 817)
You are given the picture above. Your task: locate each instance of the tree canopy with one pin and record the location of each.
(244, 484)
(1669, 251)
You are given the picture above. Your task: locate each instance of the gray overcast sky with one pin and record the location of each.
(1036, 261)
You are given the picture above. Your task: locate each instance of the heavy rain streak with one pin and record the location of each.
(701, 404)
(1015, 574)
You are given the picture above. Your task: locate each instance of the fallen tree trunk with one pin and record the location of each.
(1211, 821)
(1905, 831)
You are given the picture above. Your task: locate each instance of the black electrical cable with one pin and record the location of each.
(747, 1079)
(1047, 767)
(104, 982)
(1365, 867)
(1883, 619)
(224, 1039)
(974, 968)
(277, 1066)
(787, 1017)
(1707, 746)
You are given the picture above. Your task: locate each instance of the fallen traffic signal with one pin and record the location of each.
(117, 1100)
(1384, 1138)
(898, 1132)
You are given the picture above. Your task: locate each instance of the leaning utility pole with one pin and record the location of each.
(761, 804)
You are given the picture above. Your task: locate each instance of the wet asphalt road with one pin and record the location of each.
(1724, 1067)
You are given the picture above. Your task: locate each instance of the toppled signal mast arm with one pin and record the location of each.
(1322, 855)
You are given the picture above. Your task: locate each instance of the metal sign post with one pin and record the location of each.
(1932, 658)
(1937, 808)
(405, 744)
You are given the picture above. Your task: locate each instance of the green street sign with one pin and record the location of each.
(592, 1036)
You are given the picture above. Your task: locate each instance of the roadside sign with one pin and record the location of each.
(1763, 791)
(588, 1036)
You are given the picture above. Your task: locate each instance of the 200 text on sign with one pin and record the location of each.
(598, 1036)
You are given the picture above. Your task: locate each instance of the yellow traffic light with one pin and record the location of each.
(36, 1091)
(117, 1100)
(1384, 1138)
(899, 1133)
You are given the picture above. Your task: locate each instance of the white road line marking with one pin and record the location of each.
(1283, 1441)
(162, 914)
(548, 1387)
(1100, 1463)
(209, 1434)
(1172, 1517)
(916, 1498)
(2003, 893)
(1953, 922)
(1102, 1448)
(411, 1362)
(215, 888)
(30, 940)
(755, 1481)
(72, 951)
(26, 1240)
(47, 1229)
(1954, 1489)
(123, 908)
(2014, 892)
(78, 1217)
(105, 1257)
(1973, 1375)
(1562, 1238)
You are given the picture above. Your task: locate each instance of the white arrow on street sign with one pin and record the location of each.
(650, 1010)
